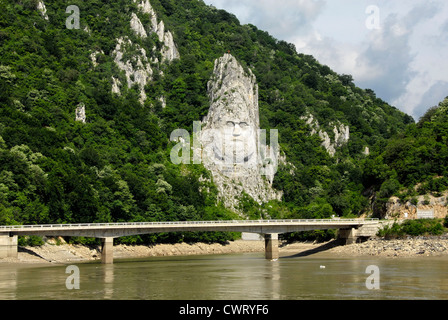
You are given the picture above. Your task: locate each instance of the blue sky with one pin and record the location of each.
(404, 60)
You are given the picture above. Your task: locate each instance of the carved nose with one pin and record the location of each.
(237, 130)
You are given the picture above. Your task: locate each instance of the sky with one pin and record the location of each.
(398, 48)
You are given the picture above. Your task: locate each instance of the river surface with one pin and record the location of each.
(230, 277)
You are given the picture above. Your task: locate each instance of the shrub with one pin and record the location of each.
(423, 226)
(413, 228)
(30, 241)
(391, 231)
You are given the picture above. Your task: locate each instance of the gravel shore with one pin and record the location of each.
(67, 253)
(408, 247)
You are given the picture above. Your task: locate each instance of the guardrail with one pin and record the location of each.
(118, 224)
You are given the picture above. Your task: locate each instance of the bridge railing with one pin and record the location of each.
(165, 223)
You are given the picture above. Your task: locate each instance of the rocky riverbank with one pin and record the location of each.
(51, 252)
(408, 247)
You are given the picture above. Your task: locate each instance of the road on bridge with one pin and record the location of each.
(104, 230)
(108, 231)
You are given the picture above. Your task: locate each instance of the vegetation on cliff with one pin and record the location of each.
(413, 162)
(116, 166)
(420, 227)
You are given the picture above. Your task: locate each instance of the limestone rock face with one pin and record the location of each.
(396, 209)
(94, 56)
(232, 90)
(231, 147)
(43, 10)
(137, 26)
(341, 134)
(137, 68)
(80, 113)
(366, 151)
(116, 84)
(169, 50)
(138, 71)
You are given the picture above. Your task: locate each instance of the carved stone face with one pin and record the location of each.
(228, 139)
(234, 140)
(231, 126)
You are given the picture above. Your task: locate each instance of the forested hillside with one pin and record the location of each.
(116, 166)
(412, 163)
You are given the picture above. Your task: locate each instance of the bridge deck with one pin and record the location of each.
(108, 231)
(101, 230)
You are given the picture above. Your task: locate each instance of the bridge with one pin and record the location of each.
(108, 231)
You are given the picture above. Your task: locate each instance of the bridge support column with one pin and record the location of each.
(347, 236)
(107, 250)
(8, 246)
(271, 246)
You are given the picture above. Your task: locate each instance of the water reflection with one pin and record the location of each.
(231, 277)
(274, 287)
(8, 283)
(108, 280)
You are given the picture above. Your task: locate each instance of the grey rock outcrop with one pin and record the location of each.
(80, 113)
(94, 57)
(396, 209)
(231, 149)
(42, 9)
(169, 51)
(138, 70)
(116, 84)
(137, 26)
(366, 151)
(341, 134)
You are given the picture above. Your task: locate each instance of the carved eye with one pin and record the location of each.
(230, 124)
(243, 125)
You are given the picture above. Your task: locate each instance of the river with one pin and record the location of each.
(230, 277)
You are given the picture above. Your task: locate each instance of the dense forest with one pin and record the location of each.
(116, 166)
(413, 162)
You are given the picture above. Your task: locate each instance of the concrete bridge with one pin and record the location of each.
(108, 231)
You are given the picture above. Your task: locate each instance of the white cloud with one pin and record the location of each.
(437, 92)
(281, 18)
(405, 61)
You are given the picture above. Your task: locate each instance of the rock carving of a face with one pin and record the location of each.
(232, 122)
(234, 138)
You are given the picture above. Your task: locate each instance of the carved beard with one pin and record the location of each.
(232, 158)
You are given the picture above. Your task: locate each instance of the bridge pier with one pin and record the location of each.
(8, 246)
(271, 246)
(107, 250)
(347, 236)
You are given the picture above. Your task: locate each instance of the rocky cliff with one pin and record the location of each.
(43, 10)
(169, 50)
(64, 92)
(396, 209)
(232, 149)
(138, 68)
(341, 134)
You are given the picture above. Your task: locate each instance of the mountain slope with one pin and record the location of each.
(414, 163)
(114, 165)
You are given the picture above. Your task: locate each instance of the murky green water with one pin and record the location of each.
(231, 277)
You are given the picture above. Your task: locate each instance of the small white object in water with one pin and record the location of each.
(322, 267)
